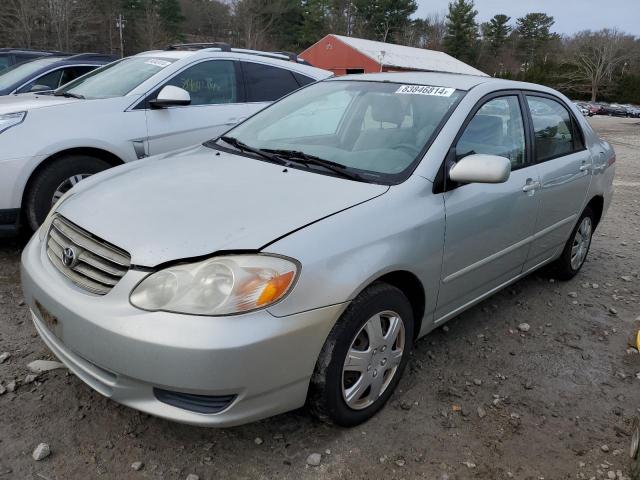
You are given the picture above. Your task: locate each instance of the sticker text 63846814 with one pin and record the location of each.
(426, 90)
(157, 62)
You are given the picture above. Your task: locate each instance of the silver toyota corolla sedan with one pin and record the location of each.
(298, 257)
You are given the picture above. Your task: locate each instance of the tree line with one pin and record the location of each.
(603, 65)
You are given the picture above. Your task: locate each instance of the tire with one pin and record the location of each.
(564, 268)
(380, 303)
(51, 179)
(633, 450)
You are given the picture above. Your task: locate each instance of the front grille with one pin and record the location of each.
(95, 265)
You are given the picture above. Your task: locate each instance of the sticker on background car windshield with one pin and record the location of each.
(426, 90)
(158, 63)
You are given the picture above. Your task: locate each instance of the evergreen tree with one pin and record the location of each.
(315, 14)
(495, 33)
(461, 38)
(534, 36)
(383, 19)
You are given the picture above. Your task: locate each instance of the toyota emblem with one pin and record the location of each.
(69, 257)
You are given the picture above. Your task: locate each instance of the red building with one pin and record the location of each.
(348, 55)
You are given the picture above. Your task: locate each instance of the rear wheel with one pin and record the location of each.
(363, 358)
(55, 180)
(577, 247)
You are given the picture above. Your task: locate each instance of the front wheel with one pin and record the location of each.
(634, 450)
(363, 358)
(577, 247)
(53, 181)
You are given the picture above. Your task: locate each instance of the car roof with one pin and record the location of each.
(27, 50)
(278, 59)
(439, 79)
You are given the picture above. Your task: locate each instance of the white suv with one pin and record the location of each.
(143, 105)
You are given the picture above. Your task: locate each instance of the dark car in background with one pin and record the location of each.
(13, 56)
(633, 111)
(613, 110)
(45, 74)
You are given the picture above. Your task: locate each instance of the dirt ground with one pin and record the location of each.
(480, 399)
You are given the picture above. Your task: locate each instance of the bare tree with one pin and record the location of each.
(437, 30)
(255, 18)
(207, 20)
(67, 20)
(19, 22)
(595, 57)
(151, 33)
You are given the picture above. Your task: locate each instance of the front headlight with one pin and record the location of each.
(217, 286)
(9, 120)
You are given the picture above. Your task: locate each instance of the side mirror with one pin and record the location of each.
(39, 88)
(171, 96)
(479, 168)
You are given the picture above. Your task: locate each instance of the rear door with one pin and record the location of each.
(564, 166)
(488, 226)
(216, 105)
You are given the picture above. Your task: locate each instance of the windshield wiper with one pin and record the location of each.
(306, 159)
(69, 95)
(234, 142)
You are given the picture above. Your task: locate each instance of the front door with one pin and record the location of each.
(564, 165)
(488, 226)
(215, 107)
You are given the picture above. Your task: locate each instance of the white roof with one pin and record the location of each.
(409, 57)
(436, 79)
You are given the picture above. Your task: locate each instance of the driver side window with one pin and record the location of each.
(208, 83)
(50, 80)
(497, 128)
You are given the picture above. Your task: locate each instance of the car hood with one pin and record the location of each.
(203, 201)
(30, 101)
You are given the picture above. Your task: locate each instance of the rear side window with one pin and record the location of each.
(553, 128)
(302, 79)
(71, 73)
(265, 83)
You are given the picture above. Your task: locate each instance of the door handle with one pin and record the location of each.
(530, 187)
(585, 167)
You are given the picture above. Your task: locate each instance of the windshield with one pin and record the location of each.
(23, 71)
(116, 79)
(375, 129)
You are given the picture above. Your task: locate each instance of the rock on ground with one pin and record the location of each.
(41, 452)
(40, 366)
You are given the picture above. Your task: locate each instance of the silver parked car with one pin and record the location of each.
(296, 258)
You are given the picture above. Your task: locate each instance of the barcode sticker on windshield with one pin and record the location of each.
(426, 90)
(158, 63)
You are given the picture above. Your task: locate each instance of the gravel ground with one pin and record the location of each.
(480, 398)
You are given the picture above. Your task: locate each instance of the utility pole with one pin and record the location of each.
(120, 21)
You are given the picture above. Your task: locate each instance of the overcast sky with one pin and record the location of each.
(570, 15)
